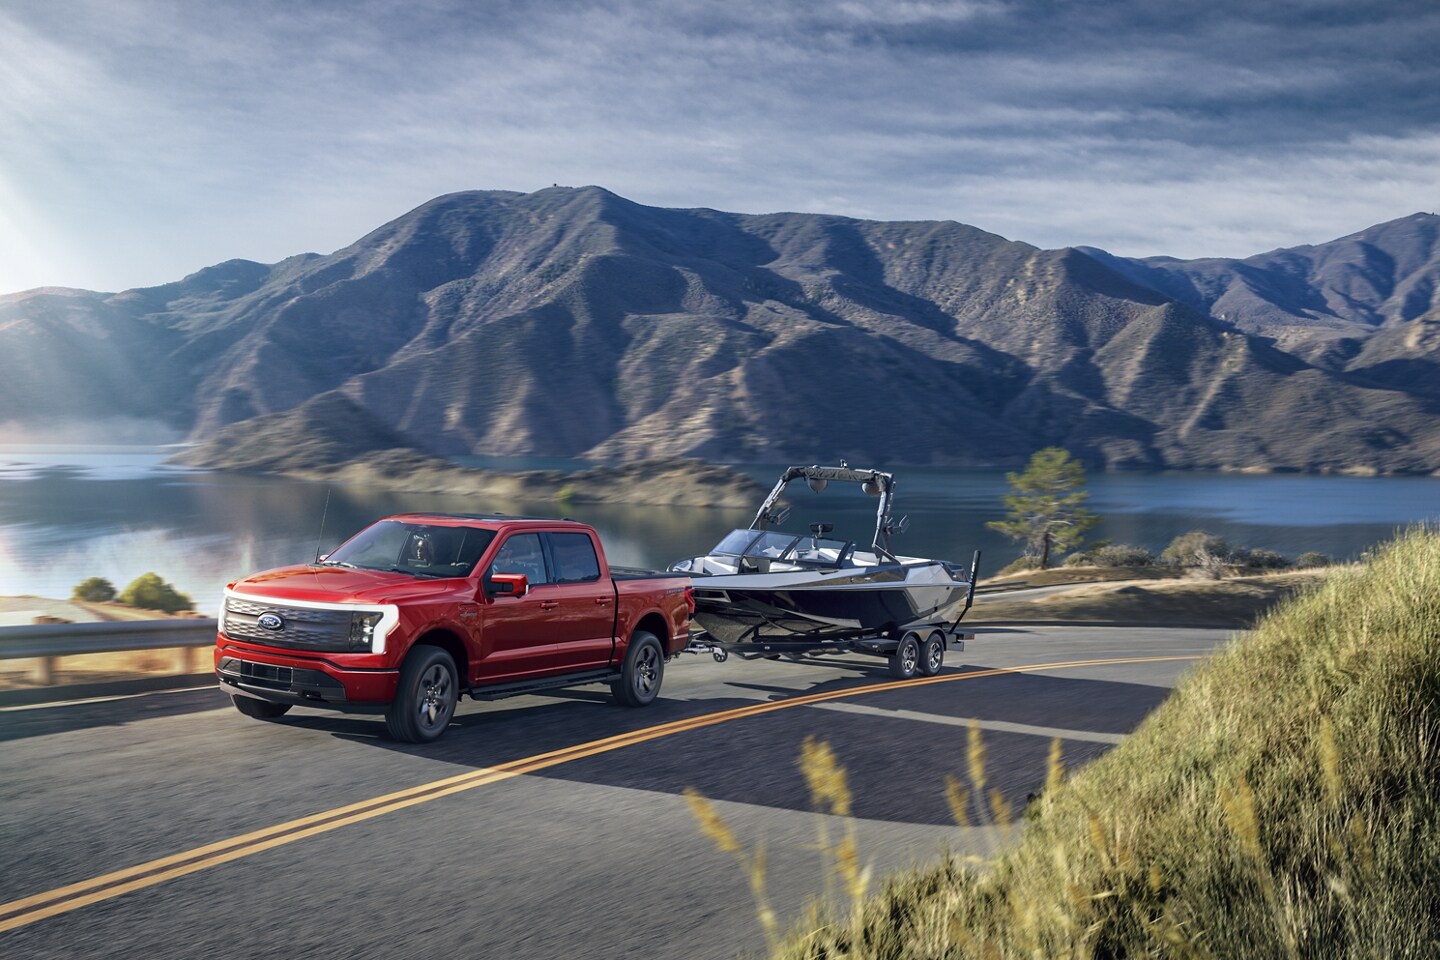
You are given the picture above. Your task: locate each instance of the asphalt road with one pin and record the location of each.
(500, 850)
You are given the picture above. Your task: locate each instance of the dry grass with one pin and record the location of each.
(1284, 802)
(82, 668)
(1234, 602)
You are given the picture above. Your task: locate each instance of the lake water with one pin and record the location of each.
(67, 513)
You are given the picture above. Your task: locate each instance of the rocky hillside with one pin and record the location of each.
(574, 322)
(330, 438)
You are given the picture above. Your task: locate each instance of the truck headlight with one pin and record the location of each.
(362, 630)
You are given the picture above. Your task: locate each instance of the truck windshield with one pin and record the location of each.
(414, 548)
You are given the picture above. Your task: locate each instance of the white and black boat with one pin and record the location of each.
(763, 590)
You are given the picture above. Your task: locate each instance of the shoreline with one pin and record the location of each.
(677, 483)
(174, 453)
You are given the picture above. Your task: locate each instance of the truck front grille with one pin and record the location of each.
(303, 628)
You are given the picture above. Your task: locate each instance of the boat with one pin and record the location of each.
(767, 589)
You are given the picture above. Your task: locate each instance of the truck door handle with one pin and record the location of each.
(549, 605)
(602, 599)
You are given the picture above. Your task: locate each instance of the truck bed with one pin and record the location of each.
(635, 573)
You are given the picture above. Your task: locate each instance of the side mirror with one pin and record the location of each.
(506, 585)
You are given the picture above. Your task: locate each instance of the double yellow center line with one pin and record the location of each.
(19, 913)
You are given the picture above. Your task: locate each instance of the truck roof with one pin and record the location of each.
(495, 518)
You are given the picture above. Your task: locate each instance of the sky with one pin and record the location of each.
(141, 140)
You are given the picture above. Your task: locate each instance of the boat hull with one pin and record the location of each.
(876, 601)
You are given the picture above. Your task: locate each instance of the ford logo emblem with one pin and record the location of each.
(271, 621)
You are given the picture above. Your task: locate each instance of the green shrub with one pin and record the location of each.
(94, 590)
(1111, 555)
(1312, 558)
(149, 592)
(1264, 559)
(1122, 555)
(1197, 549)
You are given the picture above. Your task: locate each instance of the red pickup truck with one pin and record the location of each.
(417, 609)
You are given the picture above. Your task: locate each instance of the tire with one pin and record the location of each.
(260, 709)
(932, 654)
(905, 661)
(425, 701)
(642, 671)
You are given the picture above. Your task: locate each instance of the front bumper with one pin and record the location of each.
(312, 682)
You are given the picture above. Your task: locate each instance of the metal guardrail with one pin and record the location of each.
(50, 642)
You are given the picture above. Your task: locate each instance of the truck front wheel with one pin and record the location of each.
(425, 700)
(641, 672)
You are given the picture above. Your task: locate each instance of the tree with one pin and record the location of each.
(1199, 549)
(94, 590)
(149, 592)
(1045, 505)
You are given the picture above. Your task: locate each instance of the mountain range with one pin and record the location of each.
(573, 322)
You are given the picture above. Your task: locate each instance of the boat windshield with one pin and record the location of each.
(785, 547)
(734, 543)
(771, 544)
(750, 543)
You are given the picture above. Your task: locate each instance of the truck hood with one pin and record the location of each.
(340, 585)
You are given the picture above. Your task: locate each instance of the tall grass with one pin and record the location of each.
(1283, 802)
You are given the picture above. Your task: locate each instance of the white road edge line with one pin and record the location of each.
(999, 726)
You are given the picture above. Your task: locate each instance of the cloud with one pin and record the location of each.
(160, 136)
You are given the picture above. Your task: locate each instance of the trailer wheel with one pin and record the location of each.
(932, 653)
(260, 709)
(642, 671)
(905, 661)
(425, 700)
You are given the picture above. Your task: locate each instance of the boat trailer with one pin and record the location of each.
(918, 649)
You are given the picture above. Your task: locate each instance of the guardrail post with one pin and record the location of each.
(49, 668)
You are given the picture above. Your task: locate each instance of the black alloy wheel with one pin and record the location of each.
(425, 701)
(642, 671)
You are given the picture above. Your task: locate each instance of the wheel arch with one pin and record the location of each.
(450, 642)
(654, 623)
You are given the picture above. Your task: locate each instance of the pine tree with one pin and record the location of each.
(1045, 505)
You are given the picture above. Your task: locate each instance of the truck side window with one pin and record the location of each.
(521, 553)
(574, 557)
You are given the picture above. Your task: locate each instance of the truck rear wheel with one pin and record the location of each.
(425, 700)
(641, 672)
(260, 709)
